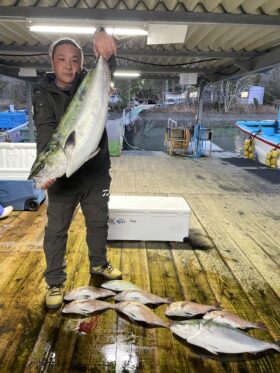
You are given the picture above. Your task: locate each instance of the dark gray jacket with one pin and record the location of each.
(49, 104)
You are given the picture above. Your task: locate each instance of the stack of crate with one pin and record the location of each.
(9, 120)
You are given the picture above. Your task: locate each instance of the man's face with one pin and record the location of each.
(66, 63)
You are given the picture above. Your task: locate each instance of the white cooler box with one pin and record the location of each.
(148, 218)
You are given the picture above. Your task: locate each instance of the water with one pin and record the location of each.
(228, 138)
(150, 135)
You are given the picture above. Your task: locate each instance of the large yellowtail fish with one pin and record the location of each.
(80, 130)
(219, 338)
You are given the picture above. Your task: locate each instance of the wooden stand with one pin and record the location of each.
(177, 140)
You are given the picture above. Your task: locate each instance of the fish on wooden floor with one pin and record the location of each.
(235, 321)
(188, 309)
(141, 296)
(219, 338)
(119, 285)
(85, 307)
(88, 292)
(79, 132)
(139, 312)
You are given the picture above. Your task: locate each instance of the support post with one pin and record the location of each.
(30, 109)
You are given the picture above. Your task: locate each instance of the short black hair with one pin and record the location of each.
(68, 41)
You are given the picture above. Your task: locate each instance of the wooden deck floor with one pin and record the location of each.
(232, 258)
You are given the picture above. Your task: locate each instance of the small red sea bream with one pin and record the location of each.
(85, 307)
(228, 318)
(88, 292)
(141, 296)
(139, 312)
(119, 285)
(188, 309)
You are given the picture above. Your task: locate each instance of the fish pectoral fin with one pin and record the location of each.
(94, 153)
(84, 311)
(203, 344)
(211, 350)
(132, 315)
(71, 140)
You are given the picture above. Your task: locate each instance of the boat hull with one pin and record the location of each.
(265, 137)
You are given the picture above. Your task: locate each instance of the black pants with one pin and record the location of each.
(64, 196)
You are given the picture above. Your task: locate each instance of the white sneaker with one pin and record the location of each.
(6, 212)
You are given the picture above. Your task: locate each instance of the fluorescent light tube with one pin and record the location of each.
(85, 30)
(63, 29)
(126, 31)
(127, 74)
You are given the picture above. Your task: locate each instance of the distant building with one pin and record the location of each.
(250, 95)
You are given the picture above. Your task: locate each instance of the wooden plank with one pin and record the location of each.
(214, 266)
(48, 341)
(142, 344)
(249, 249)
(263, 218)
(26, 229)
(96, 350)
(174, 354)
(19, 318)
(251, 224)
(205, 279)
(254, 286)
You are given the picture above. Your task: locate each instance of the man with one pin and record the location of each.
(89, 185)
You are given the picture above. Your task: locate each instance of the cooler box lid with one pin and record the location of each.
(149, 203)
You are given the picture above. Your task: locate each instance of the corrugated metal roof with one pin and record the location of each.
(224, 37)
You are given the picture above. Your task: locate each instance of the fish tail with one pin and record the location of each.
(168, 324)
(277, 345)
(218, 306)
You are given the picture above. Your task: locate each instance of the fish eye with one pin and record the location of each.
(41, 166)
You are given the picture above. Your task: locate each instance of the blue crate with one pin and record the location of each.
(9, 120)
(21, 194)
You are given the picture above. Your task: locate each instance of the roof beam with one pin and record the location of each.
(259, 64)
(145, 68)
(13, 73)
(185, 53)
(117, 15)
(27, 49)
(267, 60)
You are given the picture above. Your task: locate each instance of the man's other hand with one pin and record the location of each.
(104, 45)
(47, 184)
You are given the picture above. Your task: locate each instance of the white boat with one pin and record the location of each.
(264, 139)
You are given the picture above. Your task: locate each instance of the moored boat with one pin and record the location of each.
(263, 142)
